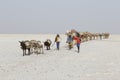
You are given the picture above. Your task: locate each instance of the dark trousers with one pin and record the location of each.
(58, 45)
(78, 46)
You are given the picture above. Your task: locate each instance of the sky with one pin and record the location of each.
(58, 16)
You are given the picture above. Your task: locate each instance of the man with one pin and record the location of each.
(57, 40)
(78, 40)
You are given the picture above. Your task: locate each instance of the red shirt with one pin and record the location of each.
(77, 39)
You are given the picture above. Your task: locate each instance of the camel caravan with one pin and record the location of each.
(86, 36)
(83, 36)
(33, 46)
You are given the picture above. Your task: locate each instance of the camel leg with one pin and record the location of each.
(23, 52)
(47, 48)
(42, 50)
(29, 51)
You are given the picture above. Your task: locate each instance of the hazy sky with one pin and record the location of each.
(56, 16)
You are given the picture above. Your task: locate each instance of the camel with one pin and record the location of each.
(40, 47)
(36, 46)
(32, 46)
(25, 45)
(47, 44)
